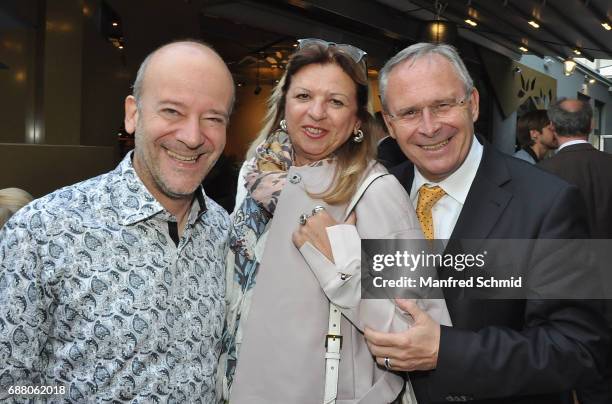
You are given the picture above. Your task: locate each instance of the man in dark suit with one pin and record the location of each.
(497, 351)
(581, 164)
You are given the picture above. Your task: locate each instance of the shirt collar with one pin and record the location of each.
(137, 203)
(570, 143)
(456, 185)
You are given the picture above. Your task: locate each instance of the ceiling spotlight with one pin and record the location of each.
(523, 49)
(591, 80)
(569, 66)
(471, 22)
(534, 24)
(295, 45)
(115, 24)
(606, 25)
(577, 52)
(516, 70)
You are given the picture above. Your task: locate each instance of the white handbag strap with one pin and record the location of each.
(333, 344)
(360, 192)
(333, 339)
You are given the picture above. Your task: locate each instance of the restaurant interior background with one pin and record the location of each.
(67, 65)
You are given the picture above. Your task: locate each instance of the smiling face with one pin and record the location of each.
(437, 146)
(181, 121)
(320, 110)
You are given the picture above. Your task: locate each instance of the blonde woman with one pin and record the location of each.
(314, 152)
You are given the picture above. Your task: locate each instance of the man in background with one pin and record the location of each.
(580, 164)
(112, 289)
(535, 136)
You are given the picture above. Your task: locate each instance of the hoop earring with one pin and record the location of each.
(283, 125)
(358, 138)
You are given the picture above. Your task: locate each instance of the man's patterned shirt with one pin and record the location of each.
(96, 296)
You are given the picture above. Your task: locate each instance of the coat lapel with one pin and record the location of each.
(486, 200)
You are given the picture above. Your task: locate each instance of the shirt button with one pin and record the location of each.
(295, 178)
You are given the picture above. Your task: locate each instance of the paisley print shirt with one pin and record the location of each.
(96, 296)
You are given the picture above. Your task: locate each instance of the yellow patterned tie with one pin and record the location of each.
(427, 199)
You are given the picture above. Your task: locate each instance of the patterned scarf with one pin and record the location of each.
(265, 179)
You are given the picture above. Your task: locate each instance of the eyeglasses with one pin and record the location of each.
(441, 110)
(355, 53)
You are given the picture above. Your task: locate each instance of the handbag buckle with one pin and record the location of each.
(333, 337)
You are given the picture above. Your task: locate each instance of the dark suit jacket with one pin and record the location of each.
(591, 171)
(498, 351)
(389, 152)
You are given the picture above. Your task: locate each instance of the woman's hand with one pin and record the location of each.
(314, 231)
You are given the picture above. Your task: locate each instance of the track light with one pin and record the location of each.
(534, 24)
(471, 22)
(523, 49)
(606, 25)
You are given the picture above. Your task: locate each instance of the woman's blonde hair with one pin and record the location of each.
(11, 200)
(352, 157)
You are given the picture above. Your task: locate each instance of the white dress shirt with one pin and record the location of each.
(570, 143)
(446, 211)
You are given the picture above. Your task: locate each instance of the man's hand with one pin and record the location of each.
(414, 349)
(314, 231)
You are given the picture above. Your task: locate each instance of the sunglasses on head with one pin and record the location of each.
(355, 53)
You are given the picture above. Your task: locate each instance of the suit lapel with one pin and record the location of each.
(486, 200)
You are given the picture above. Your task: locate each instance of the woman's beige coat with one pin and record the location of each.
(281, 357)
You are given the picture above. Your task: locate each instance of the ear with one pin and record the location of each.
(131, 114)
(387, 120)
(474, 104)
(357, 126)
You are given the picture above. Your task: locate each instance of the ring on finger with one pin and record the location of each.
(304, 218)
(387, 363)
(317, 209)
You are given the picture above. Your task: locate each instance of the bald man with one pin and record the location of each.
(112, 288)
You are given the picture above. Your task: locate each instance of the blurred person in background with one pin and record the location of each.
(535, 136)
(11, 200)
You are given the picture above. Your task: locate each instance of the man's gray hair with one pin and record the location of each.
(139, 82)
(571, 123)
(416, 52)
